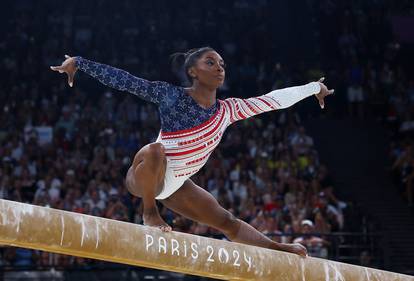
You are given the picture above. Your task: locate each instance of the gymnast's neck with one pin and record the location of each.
(205, 96)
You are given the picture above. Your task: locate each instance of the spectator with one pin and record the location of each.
(316, 246)
(21, 258)
(365, 259)
(301, 142)
(355, 96)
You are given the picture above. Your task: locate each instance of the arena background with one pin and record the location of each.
(348, 169)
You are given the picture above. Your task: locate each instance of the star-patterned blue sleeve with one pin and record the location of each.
(152, 91)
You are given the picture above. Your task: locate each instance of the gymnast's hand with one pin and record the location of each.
(298, 249)
(68, 67)
(323, 93)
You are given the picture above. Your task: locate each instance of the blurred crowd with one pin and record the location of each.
(373, 52)
(402, 158)
(70, 148)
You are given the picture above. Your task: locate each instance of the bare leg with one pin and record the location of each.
(197, 204)
(145, 178)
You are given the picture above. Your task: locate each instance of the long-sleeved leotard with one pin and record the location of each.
(190, 132)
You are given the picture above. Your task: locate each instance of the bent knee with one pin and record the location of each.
(155, 151)
(130, 183)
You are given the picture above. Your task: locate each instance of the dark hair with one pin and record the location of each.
(187, 59)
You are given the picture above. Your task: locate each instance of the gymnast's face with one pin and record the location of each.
(209, 70)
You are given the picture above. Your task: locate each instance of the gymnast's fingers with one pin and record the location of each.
(303, 252)
(322, 103)
(71, 76)
(57, 68)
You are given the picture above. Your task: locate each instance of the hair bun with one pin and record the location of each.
(177, 61)
(182, 62)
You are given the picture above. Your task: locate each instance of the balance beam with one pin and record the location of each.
(63, 232)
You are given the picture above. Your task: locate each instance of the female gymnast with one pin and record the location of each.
(193, 121)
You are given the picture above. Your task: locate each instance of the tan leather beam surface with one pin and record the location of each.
(57, 231)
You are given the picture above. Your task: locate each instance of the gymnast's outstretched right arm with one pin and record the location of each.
(115, 78)
(240, 109)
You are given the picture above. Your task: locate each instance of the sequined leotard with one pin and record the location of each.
(190, 132)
